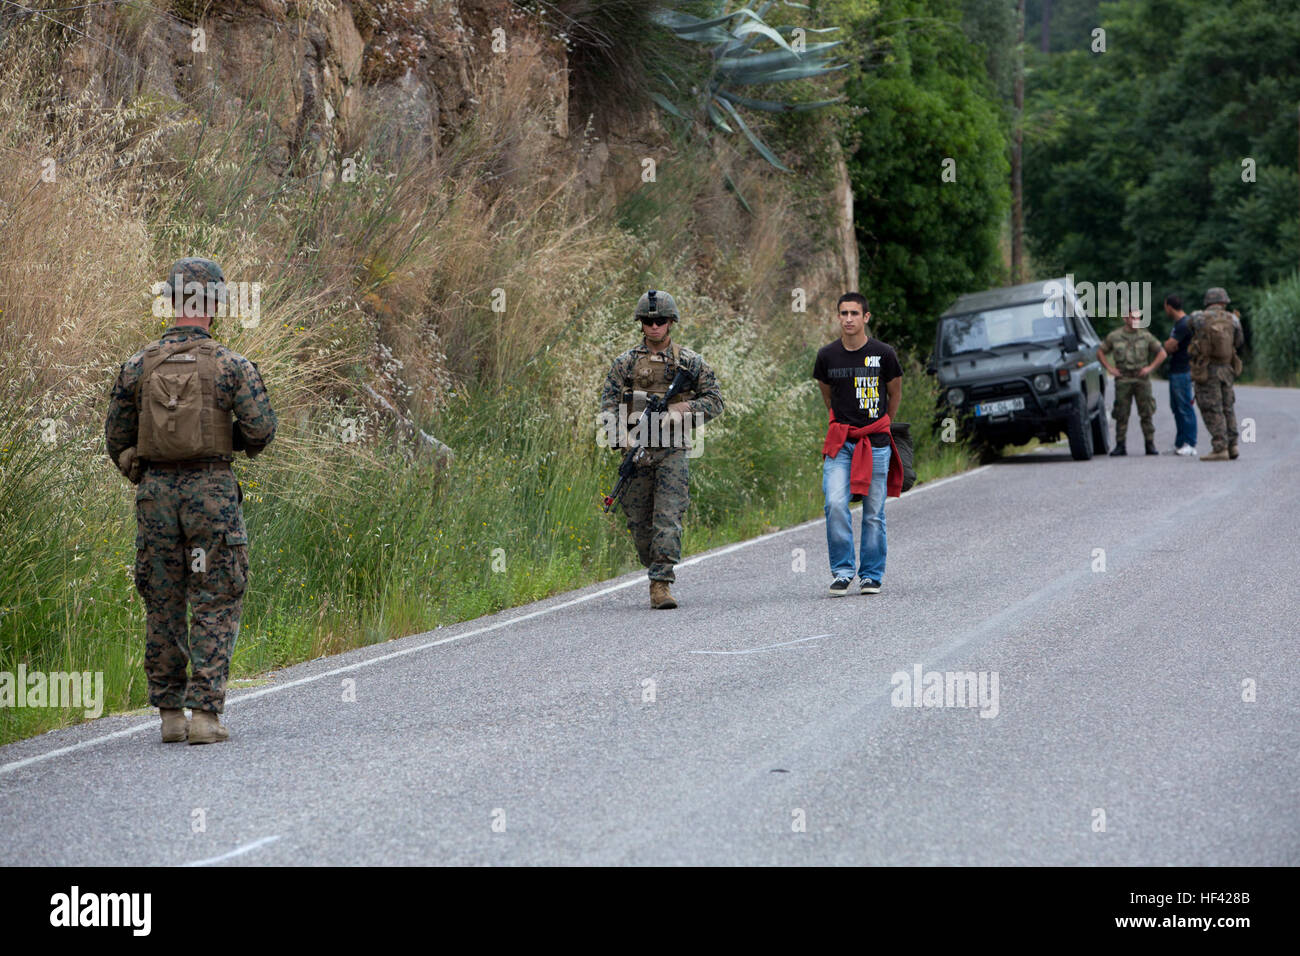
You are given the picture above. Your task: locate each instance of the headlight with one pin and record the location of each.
(955, 396)
(1043, 382)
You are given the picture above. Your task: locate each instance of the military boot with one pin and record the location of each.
(1233, 453)
(1118, 450)
(1220, 455)
(206, 729)
(1151, 448)
(174, 725)
(661, 599)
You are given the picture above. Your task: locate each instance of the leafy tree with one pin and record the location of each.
(1169, 158)
(926, 106)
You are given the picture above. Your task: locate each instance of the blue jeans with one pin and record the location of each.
(1180, 398)
(839, 522)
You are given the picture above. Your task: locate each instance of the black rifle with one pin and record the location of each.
(654, 404)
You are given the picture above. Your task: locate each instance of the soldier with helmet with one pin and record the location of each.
(657, 496)
(180, 409)
(1216, 338)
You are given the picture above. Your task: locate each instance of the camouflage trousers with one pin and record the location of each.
(1218, 406)
(654, 503)
(191, 561)
(1127, 391)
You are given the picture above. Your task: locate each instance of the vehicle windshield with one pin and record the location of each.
(1029, 323)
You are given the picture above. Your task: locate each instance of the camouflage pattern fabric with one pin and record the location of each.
(658, 494)
(191, 547)
(1217, 402)
(195, 281)
(191, 544)
(708, 397)
(654, 503)
(239, 391)
(1128, 391)
(1131, 350)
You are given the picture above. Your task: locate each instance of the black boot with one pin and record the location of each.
(1118, 449)
(1151, 447)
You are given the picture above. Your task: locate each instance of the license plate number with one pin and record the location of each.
(1000, 408)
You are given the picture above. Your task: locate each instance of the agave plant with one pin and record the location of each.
(738, 60)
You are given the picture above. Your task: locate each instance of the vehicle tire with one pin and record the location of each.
(1100, 431)
(1079, 431)
(986, 451)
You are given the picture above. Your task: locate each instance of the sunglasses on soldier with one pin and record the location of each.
(649, 320)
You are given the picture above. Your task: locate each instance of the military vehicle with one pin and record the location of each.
(1021, 363)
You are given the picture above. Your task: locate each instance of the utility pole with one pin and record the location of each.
(1017, 199)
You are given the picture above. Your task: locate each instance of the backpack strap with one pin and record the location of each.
(155, 355)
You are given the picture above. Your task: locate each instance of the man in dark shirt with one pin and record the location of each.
(861, 383)
(1180, 377)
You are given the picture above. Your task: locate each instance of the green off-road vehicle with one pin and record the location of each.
(1021, 363)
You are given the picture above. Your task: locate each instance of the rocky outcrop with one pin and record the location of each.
(404, 74)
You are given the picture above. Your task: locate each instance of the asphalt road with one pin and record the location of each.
(1120, 734)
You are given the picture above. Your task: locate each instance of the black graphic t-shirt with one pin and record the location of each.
(1180, 361)
(857, 380)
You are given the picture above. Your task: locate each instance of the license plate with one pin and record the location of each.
(1000, 408)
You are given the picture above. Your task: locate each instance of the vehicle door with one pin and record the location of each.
(1089, 342)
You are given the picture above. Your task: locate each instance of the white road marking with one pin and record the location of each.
(276, 688)
(238, 851)
(768, 647)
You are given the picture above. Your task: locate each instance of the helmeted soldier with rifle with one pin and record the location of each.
(656, 391)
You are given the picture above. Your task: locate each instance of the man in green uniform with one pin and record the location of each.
(1137, 353)
(658, 494)
(1216, 338)
(170, 431)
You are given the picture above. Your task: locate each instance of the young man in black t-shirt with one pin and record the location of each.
(861, 382)
(1180, 377)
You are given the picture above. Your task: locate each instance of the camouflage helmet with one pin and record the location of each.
(1216, 294)
(656, 304)
(189, 276)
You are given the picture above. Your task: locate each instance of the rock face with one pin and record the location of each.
(406, 73)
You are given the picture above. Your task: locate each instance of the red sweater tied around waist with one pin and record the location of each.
(838, 433)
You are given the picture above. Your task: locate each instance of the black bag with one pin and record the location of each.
(902, 434)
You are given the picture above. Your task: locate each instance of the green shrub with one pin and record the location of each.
(1276, 331)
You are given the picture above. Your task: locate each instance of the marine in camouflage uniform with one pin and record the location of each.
(1136, 354)
(658, 494)
(1213, 381)
(191, 544)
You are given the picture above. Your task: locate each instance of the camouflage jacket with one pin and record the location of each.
(1131, 350)
(708, 398)
(239, 391)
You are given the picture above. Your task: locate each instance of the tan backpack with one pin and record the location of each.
(177, 398)
(1216, 335)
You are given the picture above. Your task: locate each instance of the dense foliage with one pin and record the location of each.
(926, 104)
(1171, 156)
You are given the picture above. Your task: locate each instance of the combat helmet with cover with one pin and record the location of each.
(192, 277)
(656, 304)
(1216, 294)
